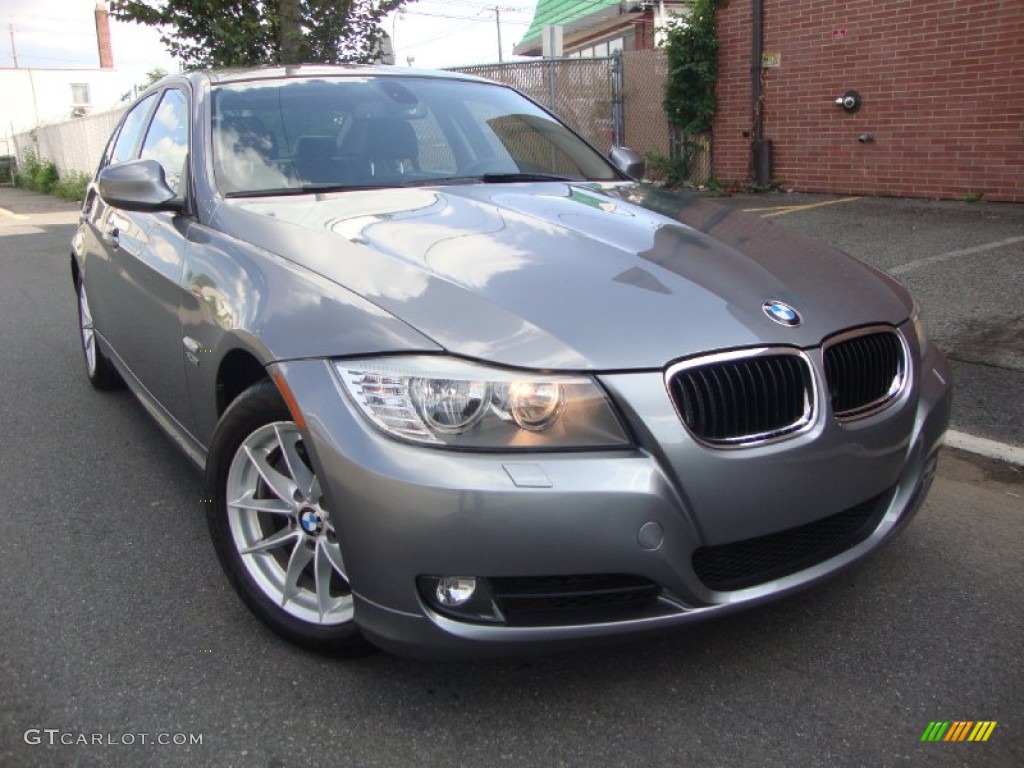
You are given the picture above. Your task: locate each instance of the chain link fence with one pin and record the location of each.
(646, 128)
(74, 146)
(580, 91)
(692, 154)
(610, 101)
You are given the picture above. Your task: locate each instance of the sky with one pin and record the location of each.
(433, 33)
(62, 34)
(444, 33)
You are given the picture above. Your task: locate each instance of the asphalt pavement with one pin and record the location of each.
(119, 630)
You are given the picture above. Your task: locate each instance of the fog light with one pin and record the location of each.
(466, 598)
(453, 591)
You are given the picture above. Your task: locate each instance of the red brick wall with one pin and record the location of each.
(942, 83)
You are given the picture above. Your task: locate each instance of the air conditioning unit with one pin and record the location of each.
(81, 110)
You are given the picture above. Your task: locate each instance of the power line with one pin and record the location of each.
(446, 33)
(481, 4)
(85, 59)
(476, 19)
(450, 16)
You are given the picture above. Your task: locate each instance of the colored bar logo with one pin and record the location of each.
(958, 730)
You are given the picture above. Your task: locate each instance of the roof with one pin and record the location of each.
(274, 72)
(227, 75)
(564, 13)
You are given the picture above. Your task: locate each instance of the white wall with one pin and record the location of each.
(32, 97)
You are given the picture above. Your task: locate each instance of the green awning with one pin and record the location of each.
(562, 12)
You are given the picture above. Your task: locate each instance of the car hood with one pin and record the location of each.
(569, 276)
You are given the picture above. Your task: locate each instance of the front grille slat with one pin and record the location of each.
(749, 401)
(731, 375)
(700, 405)
(737, 400)
(858, 372)
(760, 387)
(747, 563)
(864, 372)
(773, 371)
(714, 408)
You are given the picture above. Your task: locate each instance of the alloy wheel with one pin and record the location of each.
(86, 328)
(282, 529)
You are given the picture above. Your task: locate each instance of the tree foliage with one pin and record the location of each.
(692, 53)
(155, 74)
(235, 33)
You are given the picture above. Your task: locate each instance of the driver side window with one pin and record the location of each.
(167, 138)
(133, 124)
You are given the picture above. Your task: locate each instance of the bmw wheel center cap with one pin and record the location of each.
(311, 522)
(781, 313)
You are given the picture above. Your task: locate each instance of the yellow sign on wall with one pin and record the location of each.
(771, 60)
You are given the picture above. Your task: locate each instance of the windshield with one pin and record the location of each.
(296, 136)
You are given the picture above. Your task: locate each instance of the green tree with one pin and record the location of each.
(691, 50)
(152, 76)
(234, 33)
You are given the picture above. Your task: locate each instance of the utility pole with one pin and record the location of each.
(497, 21)
(14, 48)
(291, 32)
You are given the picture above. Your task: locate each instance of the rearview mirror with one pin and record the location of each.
(138, 185)
(629, 162)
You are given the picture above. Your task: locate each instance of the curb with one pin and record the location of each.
(982, 446)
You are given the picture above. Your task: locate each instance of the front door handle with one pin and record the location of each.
(112, 236)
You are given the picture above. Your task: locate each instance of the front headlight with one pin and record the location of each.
(445, 402)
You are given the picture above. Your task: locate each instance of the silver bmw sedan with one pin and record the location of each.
(461, 386)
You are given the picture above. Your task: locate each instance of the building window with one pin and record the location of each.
(80, 95)
(604, 48)
(80, 102)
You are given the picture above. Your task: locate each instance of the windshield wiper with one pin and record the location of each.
(499, 178)
(486, 178)
(267, 192)
(307, 189)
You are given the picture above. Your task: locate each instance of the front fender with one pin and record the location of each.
(237, 296)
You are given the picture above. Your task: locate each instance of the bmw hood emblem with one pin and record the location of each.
(781, 313)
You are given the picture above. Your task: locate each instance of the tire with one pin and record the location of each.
(98, 368)
(272, 530)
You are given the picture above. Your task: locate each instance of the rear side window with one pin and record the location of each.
(167, 138)
(131, 128)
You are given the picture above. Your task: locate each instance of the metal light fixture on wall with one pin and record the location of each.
(850, 101)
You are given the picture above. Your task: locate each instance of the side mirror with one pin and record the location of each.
(137, 185)
(629, 162)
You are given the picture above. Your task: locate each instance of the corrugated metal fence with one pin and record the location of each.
(74, 146)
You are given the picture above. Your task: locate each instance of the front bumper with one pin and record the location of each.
(404, 511)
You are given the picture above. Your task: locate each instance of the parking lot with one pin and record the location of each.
(117, 620)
